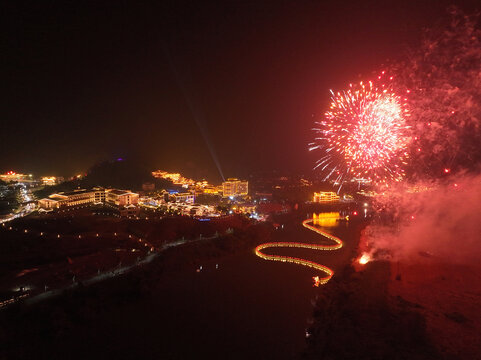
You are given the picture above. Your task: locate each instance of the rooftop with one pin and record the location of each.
(119, 192)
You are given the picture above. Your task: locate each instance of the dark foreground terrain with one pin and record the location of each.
(356, 318)
(239, 306)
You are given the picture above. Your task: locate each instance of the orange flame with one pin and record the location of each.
(364, 259)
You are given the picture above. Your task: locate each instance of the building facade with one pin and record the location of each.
(188, 198)
(235, 187)
(121, 198)
(325, 197)
(118, 199)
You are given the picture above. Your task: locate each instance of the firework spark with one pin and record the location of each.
(364, 134)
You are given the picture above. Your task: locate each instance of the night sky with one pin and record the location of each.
(83, 81)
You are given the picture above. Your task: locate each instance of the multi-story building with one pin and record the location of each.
(235, 187)
(48, 204)
(121, 198)
(129, 211)
(184, 197)
(325, 197)
(99, 195)
(115, 198)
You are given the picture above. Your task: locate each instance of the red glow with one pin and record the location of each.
(354, 213)
(364, 259)
(363, 134)
(447, 170)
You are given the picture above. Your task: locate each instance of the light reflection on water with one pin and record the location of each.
(327, 219)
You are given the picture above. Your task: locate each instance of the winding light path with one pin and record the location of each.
(306, 224)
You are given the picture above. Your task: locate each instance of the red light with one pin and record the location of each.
(447, 170)
(412, 217)
(354, 213)
(455, 185)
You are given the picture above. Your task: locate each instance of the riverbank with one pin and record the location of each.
(152, 295)
(355, 317)
(203, 299)
(448, 297)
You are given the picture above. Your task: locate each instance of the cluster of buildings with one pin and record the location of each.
(51, 180)
(228, 189)
(122, 201)
(176, 178)
(12, 176)
(126, 202)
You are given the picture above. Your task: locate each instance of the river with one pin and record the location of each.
(246, 308)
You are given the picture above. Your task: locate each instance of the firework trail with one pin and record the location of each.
(364, 134)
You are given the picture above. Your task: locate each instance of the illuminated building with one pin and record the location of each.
(115, 198)
(77, 197)
(176, 178)
(51, 180)
(325, 197)
(212, 190)
(235, 187)
(12, 176)
(73, 198)
(99, 195)
(245, 208)
(129, 211)
(124, 202)
(120, 198)
(48, 204)
(184, 197)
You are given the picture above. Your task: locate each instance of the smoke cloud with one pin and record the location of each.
(430, 220)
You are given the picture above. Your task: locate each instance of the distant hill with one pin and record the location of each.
(120, 174)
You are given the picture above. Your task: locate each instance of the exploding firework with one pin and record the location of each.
(364, 259)
(364, 134)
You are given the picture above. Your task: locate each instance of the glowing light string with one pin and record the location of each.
(294, 260)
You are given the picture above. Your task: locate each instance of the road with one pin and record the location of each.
(26, 205)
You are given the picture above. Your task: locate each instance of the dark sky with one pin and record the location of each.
(84, 81)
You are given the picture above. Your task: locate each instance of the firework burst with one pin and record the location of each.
(364, 134)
